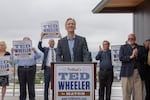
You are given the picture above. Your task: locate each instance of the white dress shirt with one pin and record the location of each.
(49, 57)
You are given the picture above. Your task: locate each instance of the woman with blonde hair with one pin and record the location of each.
(4, 78)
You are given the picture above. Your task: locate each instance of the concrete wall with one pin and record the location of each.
(142, 21)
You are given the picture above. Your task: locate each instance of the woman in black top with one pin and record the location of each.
(3, 78)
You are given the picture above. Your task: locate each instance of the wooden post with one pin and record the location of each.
(95, 80)
(52, 80)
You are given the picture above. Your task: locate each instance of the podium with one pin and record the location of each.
(73, 81)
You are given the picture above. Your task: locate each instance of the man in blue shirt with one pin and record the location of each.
(106, 71)
(26, 73)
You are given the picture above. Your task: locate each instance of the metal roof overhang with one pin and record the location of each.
(116, 6)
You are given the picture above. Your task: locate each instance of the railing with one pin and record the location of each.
(14, 83)
(39, 80)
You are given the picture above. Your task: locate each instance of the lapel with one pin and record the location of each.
(46, 52)
(66, 46)
(129, 48)
(55, 49)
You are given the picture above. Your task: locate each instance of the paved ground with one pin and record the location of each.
(116, 93)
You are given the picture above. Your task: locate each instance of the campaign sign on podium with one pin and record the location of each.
(73, 82)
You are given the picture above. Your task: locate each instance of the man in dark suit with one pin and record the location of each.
(49, 56)
(72, 48)
(132, 57)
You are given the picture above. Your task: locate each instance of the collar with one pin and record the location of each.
(134, 44)
(51, 48)
(107, 50)
(71, 38)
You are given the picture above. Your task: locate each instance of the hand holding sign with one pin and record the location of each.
(33, 49)
(59, 35)
(44, 35)
(12, 50)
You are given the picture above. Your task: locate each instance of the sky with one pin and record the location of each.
(19, 18)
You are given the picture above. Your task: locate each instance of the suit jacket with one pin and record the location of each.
(146, 57)
(128, 64)
(146, 66)
(80, 50)
(45, 50)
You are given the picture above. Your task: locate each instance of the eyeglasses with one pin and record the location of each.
(130, 38)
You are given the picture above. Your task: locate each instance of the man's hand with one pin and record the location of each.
(134, 53)
(59, 35)
(33, 49)
(100, 48)
(9, 61)
(42, 35)
(12, 50)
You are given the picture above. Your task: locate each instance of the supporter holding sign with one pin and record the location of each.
(49, 57)
(26, 61)
(4, 67)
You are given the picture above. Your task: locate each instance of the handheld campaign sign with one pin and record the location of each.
(115, 55)
(51, 29)
(4, 65)
(74, 82)
(22, 49)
